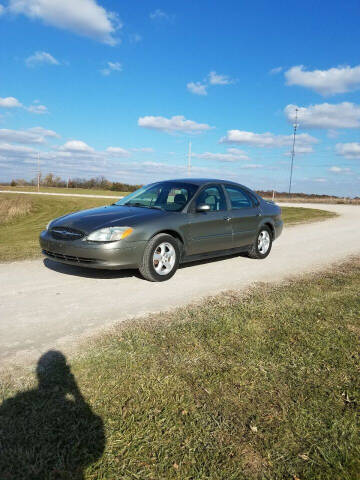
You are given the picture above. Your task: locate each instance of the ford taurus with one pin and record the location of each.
(165, 224)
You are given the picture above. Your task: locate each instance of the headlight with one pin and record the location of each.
(110, 234)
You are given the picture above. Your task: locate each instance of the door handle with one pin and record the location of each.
(227, 219)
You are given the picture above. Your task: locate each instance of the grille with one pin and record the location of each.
(66, 233)
(69, 258)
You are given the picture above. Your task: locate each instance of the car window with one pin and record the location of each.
(238, 198)
(212, 196)
(169, 196)
(177, 197)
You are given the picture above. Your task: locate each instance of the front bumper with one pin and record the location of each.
(279, 224)
(112, 255)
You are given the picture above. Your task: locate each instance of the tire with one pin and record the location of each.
(261, 248)
(155, 267)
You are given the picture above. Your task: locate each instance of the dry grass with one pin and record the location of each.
(11, 209)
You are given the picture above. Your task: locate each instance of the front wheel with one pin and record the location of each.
(262, 244)
(160, 259)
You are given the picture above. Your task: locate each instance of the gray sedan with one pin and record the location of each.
(164, 224)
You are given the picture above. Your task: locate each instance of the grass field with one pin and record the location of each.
(263, 385)
(81, 191)
(324, 201)
(19, 234)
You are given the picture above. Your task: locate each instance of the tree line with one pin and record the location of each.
(95, 183)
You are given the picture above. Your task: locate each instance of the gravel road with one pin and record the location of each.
(48, 305)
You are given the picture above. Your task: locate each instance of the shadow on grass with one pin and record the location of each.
(49, 432)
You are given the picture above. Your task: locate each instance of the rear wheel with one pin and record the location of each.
(160, 259)
(262, 244)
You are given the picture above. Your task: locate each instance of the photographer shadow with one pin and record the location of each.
(49, 432)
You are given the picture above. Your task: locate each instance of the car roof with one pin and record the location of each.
(201, 181)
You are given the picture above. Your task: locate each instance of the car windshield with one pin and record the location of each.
(169, 196)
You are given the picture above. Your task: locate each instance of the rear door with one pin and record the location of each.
(209, 231)
(245, 215)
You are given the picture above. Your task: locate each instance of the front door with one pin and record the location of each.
(209, 231)
(245, 216)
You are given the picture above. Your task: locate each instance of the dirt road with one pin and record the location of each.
(47, 305)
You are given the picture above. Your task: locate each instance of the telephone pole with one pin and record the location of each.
(189, 160)
(38, 176)
(293, 149)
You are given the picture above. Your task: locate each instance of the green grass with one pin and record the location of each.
(263, 385)
(81, 191)
(295, 215)
(19, 236)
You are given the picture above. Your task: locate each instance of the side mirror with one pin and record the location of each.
(203, 207)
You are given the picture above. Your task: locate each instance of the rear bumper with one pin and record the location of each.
(112, 256)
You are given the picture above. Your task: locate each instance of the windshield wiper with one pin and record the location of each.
(141, 205)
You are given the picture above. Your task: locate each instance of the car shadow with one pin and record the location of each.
(212, 260)
(95, 273)
(78, 271)
(50, 431)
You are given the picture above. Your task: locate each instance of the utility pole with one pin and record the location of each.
(189, 160)
(38, 176)
(293, 149)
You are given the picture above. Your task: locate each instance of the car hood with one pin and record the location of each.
(109, 216)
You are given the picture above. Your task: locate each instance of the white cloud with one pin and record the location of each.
(213, 78)
(2, 9)
(217, 79)
(177, 123)
(118, 152)
(336, 169)
(197, 88)
(77, 149)
(232, 155)
(37, 109)
(159, 14)
(111, 67)
(143, 149)
(348, 150)
(326, 115)
(267, 139)
(18, 150)
(83, 17)
(10, 102)
(276, 70)
(41, 58)
(300, 150)
(35, 135)
(326, 82)
(74, 146)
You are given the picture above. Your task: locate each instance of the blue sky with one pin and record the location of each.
(118, 88)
